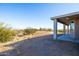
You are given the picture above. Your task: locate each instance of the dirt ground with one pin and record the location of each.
(41, 44)
(3, 46)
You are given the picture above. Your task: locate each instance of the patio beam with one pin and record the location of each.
(55, 29)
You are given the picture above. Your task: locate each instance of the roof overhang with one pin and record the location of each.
(63, 18)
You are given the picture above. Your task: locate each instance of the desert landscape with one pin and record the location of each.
(4, 46)
(38, 29)
(40, 43)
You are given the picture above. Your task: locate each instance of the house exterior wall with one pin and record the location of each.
(77, 29)
(74, 34)
(72, 28)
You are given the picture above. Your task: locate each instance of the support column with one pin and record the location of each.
(68, 29)
(64, 28)
(55, 29)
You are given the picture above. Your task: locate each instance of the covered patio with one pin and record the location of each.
(70, 27)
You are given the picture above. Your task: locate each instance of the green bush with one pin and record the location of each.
(6, 33)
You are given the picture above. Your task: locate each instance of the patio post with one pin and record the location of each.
(55, 29)
(64, 28)
(68, 29)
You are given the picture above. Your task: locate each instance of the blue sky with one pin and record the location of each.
(33, 15)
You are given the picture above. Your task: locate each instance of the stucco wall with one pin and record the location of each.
(77, 29)
(72, 29)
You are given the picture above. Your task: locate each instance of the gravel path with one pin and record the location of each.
(43, 46)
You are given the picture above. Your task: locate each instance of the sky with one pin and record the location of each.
(36, 15)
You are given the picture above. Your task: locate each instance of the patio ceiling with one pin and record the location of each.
(63, 18)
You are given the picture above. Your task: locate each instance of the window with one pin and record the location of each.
(72, 26)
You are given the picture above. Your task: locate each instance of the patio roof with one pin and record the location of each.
(63, 18)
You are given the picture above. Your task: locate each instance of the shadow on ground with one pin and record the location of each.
(42, 46)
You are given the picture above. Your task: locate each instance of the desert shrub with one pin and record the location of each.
(61, 31)
(49, 29)
(29, 31)
(6, 33)
(45, 29)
